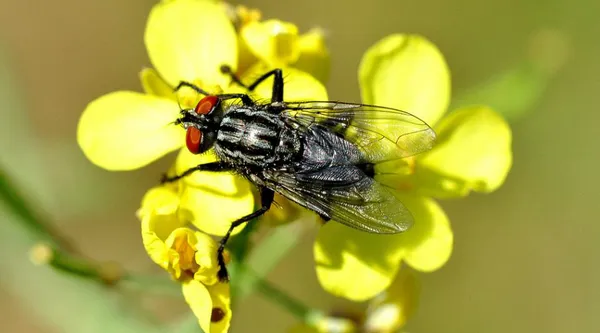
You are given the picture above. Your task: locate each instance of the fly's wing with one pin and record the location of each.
(381, 133)
(345, 194)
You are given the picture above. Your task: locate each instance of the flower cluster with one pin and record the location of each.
(385, 313)
(472, 153)
(189, 40)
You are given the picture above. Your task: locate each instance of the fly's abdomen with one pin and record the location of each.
(251, 137)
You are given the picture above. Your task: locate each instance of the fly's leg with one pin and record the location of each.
(276, 96)
(266, 199)
(212, 166)
(245, 98)
(191, 85)
(225, 69)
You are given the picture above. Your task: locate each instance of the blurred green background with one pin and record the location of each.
(525, 257)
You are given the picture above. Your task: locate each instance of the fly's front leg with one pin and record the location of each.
(212, 166)
(266, 199)
(191, 85)
(277, 94)
(245, 98)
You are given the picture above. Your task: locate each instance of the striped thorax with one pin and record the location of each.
(253, 138)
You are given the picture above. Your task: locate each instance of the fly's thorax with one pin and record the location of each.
(249, 137)
(290, 145)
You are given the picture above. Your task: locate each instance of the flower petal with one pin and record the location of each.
(390, 310)
(193, 255)
(206, 258)
(406, 72)
(221, 307)
(428, 243)
(354, 264)
(299, 85)
(126, 130)
(198, 298)
(214, 199)
(472, 153)
(327, 325)
(358, 265)
(189, 40)
(159, 218)
(273, 41)
(314, 55)
(155, 85)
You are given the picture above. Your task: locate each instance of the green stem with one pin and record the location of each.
(267, 254)
(43, 254)
(56, 251)
(112, 274)
(300, 310)
(52, 253)
(16, 202)
(107, 273)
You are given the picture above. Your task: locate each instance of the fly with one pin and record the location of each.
(319, 154)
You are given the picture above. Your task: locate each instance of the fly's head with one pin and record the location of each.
(201, 124)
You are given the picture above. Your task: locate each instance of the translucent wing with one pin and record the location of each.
(344, 194)
(381, 133)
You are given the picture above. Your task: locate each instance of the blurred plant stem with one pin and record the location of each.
(41, 288)
(251, 267)
(516, 91)
(301, 311)
(265, 256)
(53, 251)
(34, 223)
(109, 273)
(57, 252)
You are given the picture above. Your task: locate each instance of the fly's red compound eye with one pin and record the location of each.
(193, 140)
(193, 136)
(206, 104)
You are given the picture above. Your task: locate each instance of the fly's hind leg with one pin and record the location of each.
(266, 199)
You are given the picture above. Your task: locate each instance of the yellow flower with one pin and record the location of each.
(278, 44)
(188, 40)
(189, 256)
(472, 153)
(124, 130)
(390, 310)
(386, 313)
